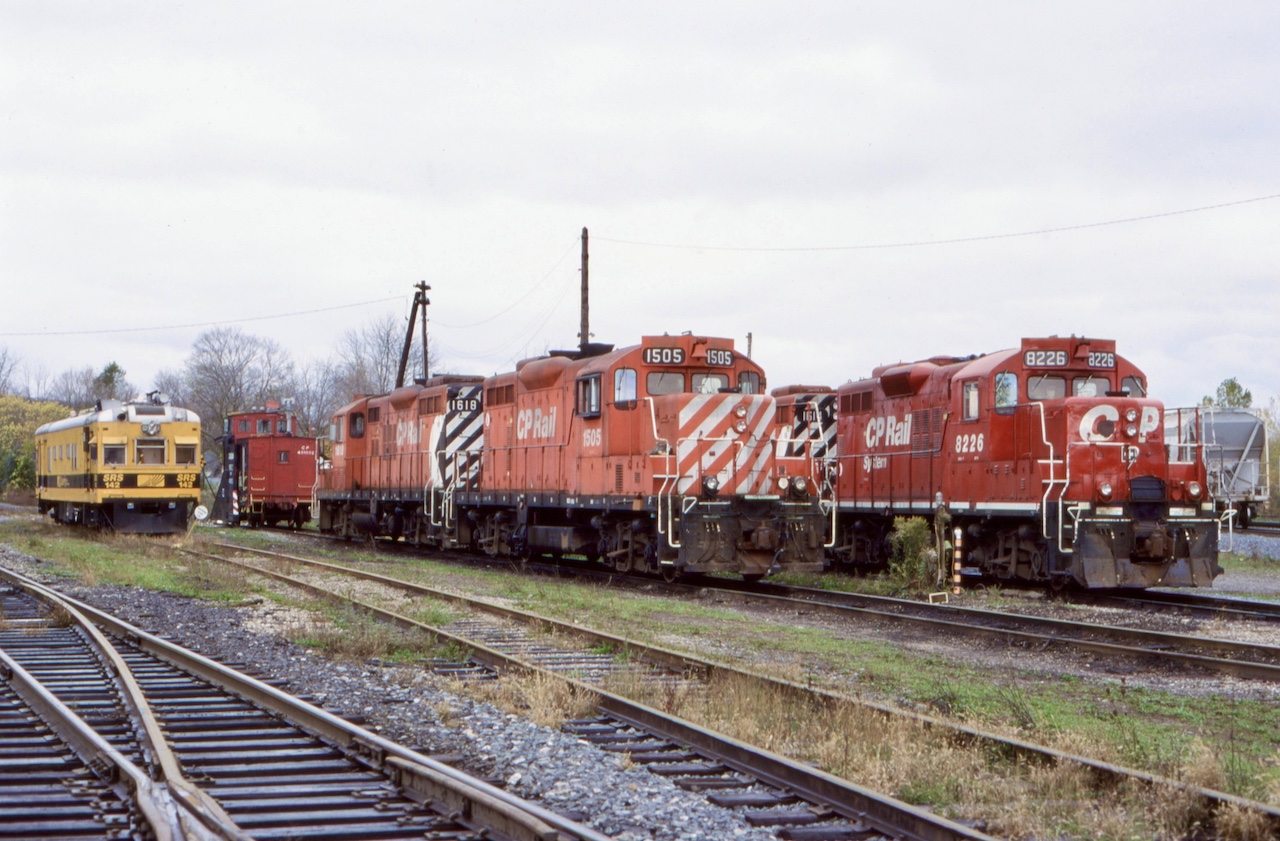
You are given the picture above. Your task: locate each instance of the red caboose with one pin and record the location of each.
(1050, 460)
(399, 458)
(269, 469)
(662, 456)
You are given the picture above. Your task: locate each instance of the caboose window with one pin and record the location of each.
(969, 407)
(282, 457)
(1134, 386)
(1006, 392)
(184, 454)
(1090, 386)
(264, 426)
(749, 382)
(589, 396)
(664, 382)
(1046, 388)
(282, 426)
(149, 451)
(244, 425)
(357, 424)
(624, 385)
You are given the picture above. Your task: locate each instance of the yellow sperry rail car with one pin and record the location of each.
(131, 467)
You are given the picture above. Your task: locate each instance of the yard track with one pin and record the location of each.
(852, 803)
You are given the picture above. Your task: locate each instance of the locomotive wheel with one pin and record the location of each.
(622, 563)
(752, 578)
(671, 574)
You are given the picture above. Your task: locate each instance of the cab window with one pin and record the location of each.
(664, 382)
(710, 383)
(624, 385)
(1134, 386)
(1046, 388)
(113, 454)
(184, 454)
(335, 429)
(749, 382)
(357, 424)
(588, 403)
(1090, 386)
(148, 451)
(969, 407)
(1006, 392)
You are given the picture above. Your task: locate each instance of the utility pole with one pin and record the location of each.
(584, 330)
(419, 300)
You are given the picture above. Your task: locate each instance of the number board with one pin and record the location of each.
(464, 404)
(1045, 359)
(664, 356)
(719, 357)
(1102, 359)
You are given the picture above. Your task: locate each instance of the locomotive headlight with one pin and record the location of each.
(1194, 489)
(741, 411)
(1105, 490)
(740, 426)
(710, 485)
(1131, 415)
(1131, 430)
(801, 485)
(783, 483)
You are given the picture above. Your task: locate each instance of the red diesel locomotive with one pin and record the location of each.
(269, 469)
(1050, 460)
(659, 457)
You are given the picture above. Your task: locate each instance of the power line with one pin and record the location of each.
(202, 324)
(953, 241)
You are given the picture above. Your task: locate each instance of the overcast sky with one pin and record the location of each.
(844, 181)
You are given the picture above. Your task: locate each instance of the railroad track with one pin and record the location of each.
(112, 733)
(709, 761)
(1193, 604)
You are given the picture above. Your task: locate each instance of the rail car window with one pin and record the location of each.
(184, 454)
(664, 382)
(1046, 388)
(149, 451)
(749, 382)
(969, 401)
(1134, 386)
(624, 385)
(710, 383)
(589, 396)
(1090, 386)
(1006, 392)
(357, 424)
(113, 454)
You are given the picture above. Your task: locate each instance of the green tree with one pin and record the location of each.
(110, 384)
(1231, 395)
(19, 419)
(23, 476)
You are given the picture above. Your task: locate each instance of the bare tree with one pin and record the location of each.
(368, 358)
(9, 361)
(317, 395)
(73, 387)
(36, 380)
(230, 370)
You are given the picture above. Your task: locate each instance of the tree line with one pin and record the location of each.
(227, 370)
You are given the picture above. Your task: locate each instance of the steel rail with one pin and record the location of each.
(1113, 640)
(1191, 603)
(455, 791)
(889, 814)
(131, 783)
(686, 662)
(195, 803)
